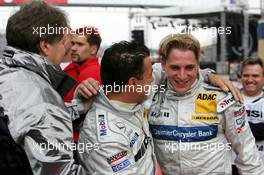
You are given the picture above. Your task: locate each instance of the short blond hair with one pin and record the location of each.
(179, 41)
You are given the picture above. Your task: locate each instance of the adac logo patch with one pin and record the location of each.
(225, 103)
(205, 118)
(205, 103)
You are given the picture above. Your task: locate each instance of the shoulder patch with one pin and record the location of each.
(225, 103)
(101, 123)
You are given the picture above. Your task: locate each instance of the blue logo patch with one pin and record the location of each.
(183, 134)
(102, 125)
(121, 165)
(134, 139)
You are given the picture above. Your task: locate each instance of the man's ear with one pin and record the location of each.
(163, 63)
(94, 49)
(44, 49)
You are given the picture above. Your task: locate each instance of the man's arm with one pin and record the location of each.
(48, 140)
(238, 132)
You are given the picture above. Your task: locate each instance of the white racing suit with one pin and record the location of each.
(192, 138)
(255, 112)
(116, 139)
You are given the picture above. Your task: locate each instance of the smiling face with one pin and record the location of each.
(252, 79)
(181, 68)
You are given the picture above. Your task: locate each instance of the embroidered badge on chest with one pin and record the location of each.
(205, 103)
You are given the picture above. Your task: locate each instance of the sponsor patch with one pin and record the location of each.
(121, 165)
(226, 102)
(102, 125)
(183, 134)
(205, 118)
(133, 140)
(159, 114)
(116, 157)
(240, 119)
(205, 103)
(240, 112)
(254, 114)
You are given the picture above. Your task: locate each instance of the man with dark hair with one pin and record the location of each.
(192, 122)
(32, 87)
(85, 45)
(252, 79)
(117, 122)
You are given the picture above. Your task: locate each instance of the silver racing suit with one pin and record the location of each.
(31, 92)
(116, 140)
(192, 133)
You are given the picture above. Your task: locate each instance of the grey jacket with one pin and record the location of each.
(31, 91)
(116, 140)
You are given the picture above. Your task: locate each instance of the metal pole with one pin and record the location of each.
(223, 37)
(246, 33)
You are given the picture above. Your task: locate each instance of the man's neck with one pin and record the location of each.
(248, 94)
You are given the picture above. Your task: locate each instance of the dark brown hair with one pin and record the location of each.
(92, 35)
(21, 30)
(252, 61)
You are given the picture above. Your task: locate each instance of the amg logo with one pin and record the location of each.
(254, 113)
(206, 96)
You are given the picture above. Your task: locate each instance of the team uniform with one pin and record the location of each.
(255, 109)
(120, 139)
(192, 132)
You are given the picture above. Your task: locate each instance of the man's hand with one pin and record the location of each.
(88, 88)
(226, 85)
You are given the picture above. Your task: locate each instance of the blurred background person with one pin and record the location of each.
(252, 79)
(85, 44)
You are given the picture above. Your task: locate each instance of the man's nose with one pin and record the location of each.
(74, 48)
(182, 74)
(250, 79)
